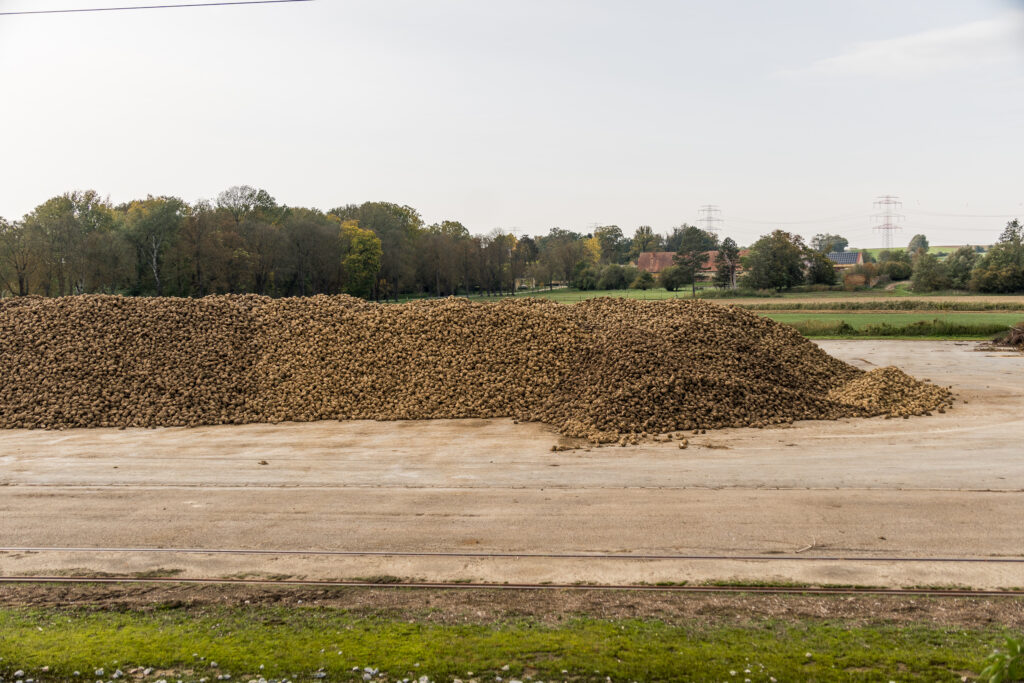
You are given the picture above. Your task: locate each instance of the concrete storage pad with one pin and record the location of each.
(950, 485)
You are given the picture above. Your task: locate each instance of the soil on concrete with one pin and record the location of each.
(466, 606)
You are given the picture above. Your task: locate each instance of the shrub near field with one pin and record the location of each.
(605, 370)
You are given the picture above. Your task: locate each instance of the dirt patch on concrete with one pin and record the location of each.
(550, 606)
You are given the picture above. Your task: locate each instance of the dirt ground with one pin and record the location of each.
(949, 486)
(549, 606)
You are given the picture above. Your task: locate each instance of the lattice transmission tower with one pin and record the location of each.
(886, 205)
(710, 218)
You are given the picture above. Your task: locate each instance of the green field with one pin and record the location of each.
(932, 248)
(901, 291)
(309, 643)
(954, 325)
(831, 314)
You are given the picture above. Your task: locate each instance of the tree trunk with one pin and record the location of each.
(154, 264)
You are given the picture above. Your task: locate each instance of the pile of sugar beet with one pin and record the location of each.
(605, 369)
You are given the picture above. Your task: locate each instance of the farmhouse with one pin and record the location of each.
(844, 260)
(656, 261)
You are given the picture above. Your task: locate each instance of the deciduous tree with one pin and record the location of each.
(776, 261)
(694, 245)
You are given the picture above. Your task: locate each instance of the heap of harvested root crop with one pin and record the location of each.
(604, 369)
(890, 391)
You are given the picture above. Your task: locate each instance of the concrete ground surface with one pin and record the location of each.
(945, 486)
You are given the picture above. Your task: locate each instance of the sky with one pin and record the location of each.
(523, 115)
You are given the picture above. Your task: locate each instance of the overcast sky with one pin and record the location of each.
(530, 114)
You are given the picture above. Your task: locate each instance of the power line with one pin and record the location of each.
(835, 219)
(120, 9)
(967, 215)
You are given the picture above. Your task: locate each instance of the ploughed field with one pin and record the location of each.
(605, 369)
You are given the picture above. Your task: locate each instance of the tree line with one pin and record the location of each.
(996, 270)
(244, 241)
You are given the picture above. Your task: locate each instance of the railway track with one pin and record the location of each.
(780, 589)
(792, 557)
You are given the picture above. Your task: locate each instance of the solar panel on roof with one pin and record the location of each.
(843, 257)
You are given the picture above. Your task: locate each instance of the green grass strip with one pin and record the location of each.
(297, 642)
(906, 325)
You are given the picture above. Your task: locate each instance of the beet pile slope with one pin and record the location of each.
(604, 369)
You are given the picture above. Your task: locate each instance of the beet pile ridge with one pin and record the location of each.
(605, 369)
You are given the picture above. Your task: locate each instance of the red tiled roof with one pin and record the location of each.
(657, 261)
(654, 261)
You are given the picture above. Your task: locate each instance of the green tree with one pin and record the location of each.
(644, 239)
(153, 224)
(398, 227)
(59, 230)
(826, 243)
(776, 261)
(361, 261)
(727, 263)
(820, 270)
(929, 274)
(16, 258)
(959, 265)
(643, 280)
(561, 251)
(694, 245)
(1001, 269)
(917, 242)
(244, 202)
(614, 246)
(675, 238)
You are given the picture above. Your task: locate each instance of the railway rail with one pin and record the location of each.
(312, 583)
(511, 555)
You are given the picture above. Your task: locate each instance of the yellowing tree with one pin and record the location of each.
(592, 250)
(361, 261)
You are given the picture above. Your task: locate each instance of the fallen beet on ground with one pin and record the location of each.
(604, 369)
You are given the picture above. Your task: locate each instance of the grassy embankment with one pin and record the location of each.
(297, 642)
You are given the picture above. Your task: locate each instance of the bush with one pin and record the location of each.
(673, 277)
(814, 288)
(896, 270)
(644, 280)
(616, 277)
(585, 278)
